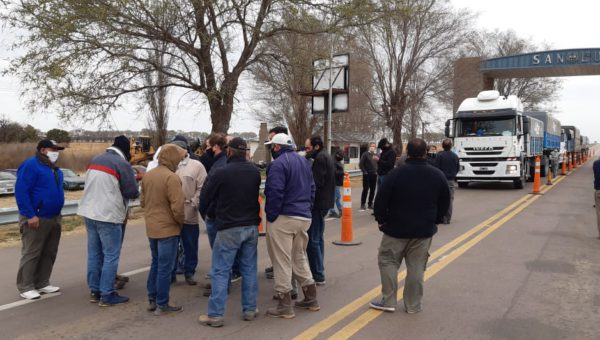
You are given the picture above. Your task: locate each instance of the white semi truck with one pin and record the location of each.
(494, 140)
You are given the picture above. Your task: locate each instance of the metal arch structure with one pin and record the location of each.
(472, 75)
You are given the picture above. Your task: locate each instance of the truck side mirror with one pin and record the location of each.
(447, 129)
(526, 125)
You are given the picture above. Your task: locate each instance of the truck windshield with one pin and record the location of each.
(473, 127)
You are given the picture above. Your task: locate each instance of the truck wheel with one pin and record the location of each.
(463, 184)
(544, 166)
(518, 183)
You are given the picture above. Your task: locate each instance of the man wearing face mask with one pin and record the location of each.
(368, 166)
(289, 192)
(218, 142)
(40, 198)
(109, 185)
(323, 171)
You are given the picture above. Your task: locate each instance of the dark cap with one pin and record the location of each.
(238, 143)
(48, 144)
(122, 143)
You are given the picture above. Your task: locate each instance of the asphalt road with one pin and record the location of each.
(510, 266)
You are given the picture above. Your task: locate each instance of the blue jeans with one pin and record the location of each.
(228, 244)
(164, 252)
(338, 201)
(316, 245)
(189, 240)
(380, 179)
(104, 249)
(211, 231)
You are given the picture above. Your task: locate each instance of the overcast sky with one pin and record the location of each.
(563, 25)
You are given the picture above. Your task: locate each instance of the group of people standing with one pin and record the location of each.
(223, 188)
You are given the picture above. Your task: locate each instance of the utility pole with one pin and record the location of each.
(327, 126)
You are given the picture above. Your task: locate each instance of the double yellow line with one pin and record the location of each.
(474, 236)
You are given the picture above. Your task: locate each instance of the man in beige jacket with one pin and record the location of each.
(163, 202)
(192, 174)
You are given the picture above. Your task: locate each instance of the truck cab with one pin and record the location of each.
(494, 141)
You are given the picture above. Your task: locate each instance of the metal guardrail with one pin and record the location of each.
(11, 215)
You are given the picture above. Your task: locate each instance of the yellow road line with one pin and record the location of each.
(371, 314)
(353, 306)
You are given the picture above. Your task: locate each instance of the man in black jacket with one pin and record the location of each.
(385, 161)
(323, 174)
(368, 166)
(448, 162)
(339, 183)
(234, 191)
(413, 199)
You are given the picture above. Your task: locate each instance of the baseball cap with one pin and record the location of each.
(281, 139)
(238, 143)
(49, 144)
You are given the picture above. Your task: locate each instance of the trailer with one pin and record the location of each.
(552, 139)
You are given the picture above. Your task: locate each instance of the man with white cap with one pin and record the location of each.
(289, 192)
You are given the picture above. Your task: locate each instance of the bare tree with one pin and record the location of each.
(533, 92)
(411, 48)
(85, 56)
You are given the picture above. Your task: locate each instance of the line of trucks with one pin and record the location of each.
(497, 141)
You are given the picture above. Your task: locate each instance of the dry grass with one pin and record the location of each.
(76, 156)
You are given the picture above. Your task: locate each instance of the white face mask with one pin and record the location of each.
(53, 155)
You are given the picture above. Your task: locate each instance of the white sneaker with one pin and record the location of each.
(30, 294)
(49, 289)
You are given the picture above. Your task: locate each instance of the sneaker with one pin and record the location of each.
(112, 299)
(48, 289)
(30, 295)
(235, 277)
(270, 275)
(190, 281)
(168, 309)
(363, 207)
(151, 305)
(320, 283)
(94, 296)
(250, 315)
(210, 321)
(379, 306)
(413, 311)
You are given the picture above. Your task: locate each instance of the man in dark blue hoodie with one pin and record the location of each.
(40, 198)
(289, 192)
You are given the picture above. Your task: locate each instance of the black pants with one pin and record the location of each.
(369, 184)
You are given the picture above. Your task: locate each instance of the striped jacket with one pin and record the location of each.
(109, 184)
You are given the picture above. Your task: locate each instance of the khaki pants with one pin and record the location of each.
(286, 243)
(38, 253)
(597, 202)
(416, 254)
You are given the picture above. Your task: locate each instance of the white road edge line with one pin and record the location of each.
(25, 301)
(47, 296)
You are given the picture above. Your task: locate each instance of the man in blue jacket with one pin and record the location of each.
(40, 198)
(289, 192)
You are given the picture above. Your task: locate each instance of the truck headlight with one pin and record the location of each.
(511, 169)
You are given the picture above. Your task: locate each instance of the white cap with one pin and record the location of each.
(281, 139)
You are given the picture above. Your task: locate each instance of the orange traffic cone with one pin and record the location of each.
(575, 161)
(537, 179)
(569, 156)
(261, 227)
(347, 237)
(563, 170)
